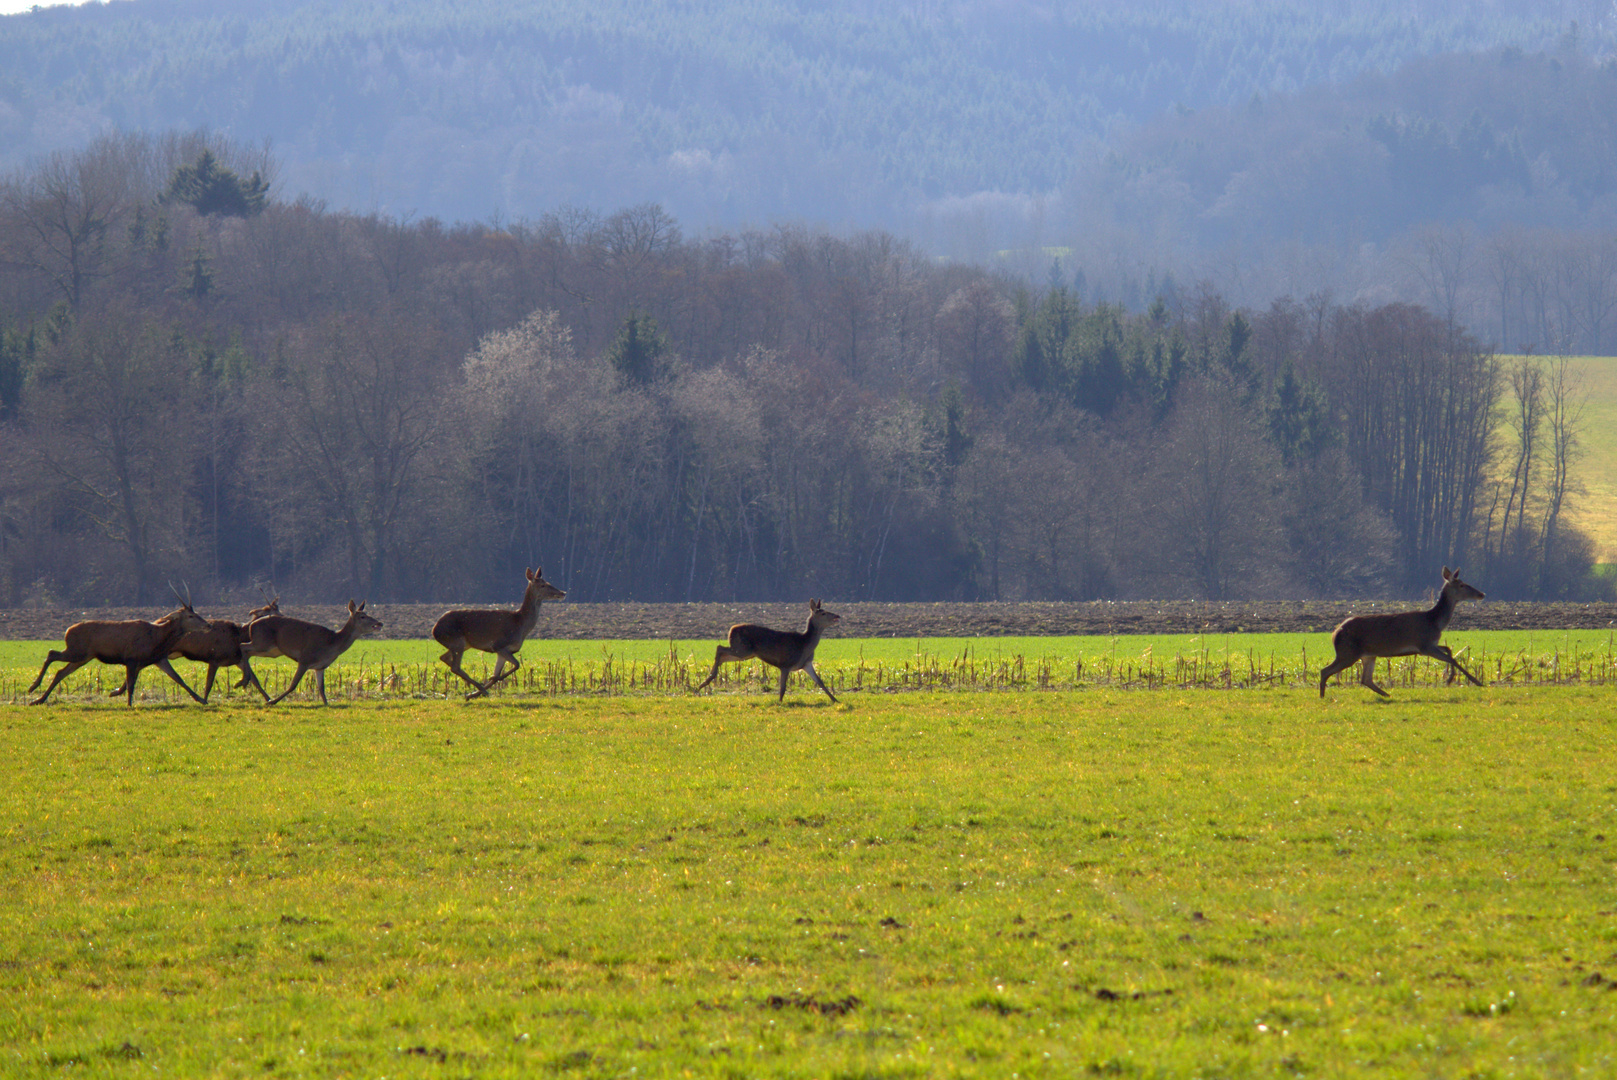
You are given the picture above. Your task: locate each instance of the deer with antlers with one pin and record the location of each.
(220, 646)
(134, 644)
(785, 649)
(311, 645)
(1406, 633)
(493, 631)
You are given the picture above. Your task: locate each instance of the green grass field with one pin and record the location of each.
(1075, 883)
(410, 669)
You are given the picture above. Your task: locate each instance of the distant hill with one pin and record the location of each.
(1500, 139)
(907, 116)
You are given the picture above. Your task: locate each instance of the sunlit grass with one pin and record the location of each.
(1593, 507)
(1042, 884)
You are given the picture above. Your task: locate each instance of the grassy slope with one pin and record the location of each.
(1595, 509)
(915, 885)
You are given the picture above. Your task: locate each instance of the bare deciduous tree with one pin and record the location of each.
(1214, 517)
(353, 414)
(112, 418)
(66, 217)
(1417, 405)
(975, 331)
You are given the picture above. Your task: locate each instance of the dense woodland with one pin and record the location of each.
(1485, 186)
(726, 112)
(201, 381)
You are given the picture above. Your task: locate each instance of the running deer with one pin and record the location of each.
(1403, 634)
(489, 630)
(313, 646)
(135, 644)
(220, 646)
(785, 649)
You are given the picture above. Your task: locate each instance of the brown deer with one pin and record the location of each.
(135, 644)
(1405, 633)
(220, 646)
(313, 646)
(499, 632)
(785, 649)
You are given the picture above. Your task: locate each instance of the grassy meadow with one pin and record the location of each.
(1094, 882)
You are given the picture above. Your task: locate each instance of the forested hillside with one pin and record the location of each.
(944, 119)
(202, 381)
(1484, 185)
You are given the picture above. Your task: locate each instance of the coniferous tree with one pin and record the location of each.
(1298, 417)
(215, 190)
(641, 352)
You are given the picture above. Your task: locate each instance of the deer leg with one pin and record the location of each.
(720, 655)
(320, 684)
(250, 678)
(452, 658)
(1367, 676)
(499, 666)
(815, 675)
(207, 686)
(167, 669)
(51, 658)
(296, 678)
(60, 675)
(1445, 654)
(785, 673)
(1341, 663)
(131, 673)
(504, 658)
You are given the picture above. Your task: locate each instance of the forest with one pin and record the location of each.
(1455, 153)
(1482, 185)
(915, 117)
(203, 382)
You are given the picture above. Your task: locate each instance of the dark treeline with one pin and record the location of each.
(199, 382)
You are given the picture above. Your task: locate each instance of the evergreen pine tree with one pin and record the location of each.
(640, 352)
(213, 189)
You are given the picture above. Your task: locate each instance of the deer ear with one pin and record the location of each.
(1447, 573)
(351, 607)
(814, 605)
(533, 574)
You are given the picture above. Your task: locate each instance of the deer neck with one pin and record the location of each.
(528, 613)
(1443, 610)
(345, 637)
(811, 633)
(170, 632)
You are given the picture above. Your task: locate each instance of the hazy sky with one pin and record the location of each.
(11, 7)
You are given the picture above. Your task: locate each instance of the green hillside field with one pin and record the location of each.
(1595, 508)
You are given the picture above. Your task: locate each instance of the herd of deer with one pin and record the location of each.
(136, 645)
